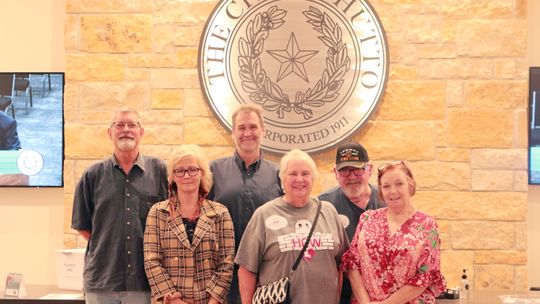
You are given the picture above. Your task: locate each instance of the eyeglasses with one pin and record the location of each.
(345, 172)
(119, 125)
(182, 172)
(382, 168)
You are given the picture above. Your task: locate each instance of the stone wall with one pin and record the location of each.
(455, 107)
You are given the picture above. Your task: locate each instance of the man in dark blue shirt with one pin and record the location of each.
(354, 194)
(9, 139)
(111, 202)
(244, 181)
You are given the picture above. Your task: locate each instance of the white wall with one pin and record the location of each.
(31, 219)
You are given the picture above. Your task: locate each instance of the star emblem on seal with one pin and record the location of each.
(292, 59)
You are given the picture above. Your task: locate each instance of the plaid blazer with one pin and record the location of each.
(198, 269)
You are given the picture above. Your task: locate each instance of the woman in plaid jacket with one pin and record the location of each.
(189, 240)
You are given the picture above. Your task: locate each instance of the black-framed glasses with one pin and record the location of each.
(345, 172)
(388, 165)
(181, 172)
(121, 125)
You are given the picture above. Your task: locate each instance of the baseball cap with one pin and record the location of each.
(351, 154)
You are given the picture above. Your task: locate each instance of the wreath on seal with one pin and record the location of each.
(268, 94)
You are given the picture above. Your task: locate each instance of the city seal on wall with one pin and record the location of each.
(318, 68)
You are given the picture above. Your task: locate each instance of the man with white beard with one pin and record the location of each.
(354, 195)
(111, 202)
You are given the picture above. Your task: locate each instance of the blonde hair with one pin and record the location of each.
(296, 155)
(248, 108)
(203, 163)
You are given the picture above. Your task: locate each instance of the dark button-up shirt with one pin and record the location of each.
(350, 214)
(114, 206)
(243, 189)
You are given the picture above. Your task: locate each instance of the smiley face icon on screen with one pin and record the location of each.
(30, 162)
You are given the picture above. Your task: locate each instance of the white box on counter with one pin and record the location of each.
(70, 266)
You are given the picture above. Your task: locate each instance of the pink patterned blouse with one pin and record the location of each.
(387, 262)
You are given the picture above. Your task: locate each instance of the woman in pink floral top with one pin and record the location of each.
(395, 253)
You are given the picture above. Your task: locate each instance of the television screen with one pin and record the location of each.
(534, 125)
(31, 129)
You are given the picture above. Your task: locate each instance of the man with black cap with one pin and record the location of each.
(354, 195)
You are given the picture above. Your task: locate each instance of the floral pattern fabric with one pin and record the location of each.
(388, 261)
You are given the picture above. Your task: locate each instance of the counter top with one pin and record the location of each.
(491, 297)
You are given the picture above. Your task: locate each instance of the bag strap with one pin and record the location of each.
(301, 254)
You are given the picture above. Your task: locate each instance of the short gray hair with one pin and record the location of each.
(296, 155)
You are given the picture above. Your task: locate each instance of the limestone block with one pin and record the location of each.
(521, 281)
(69, 177)
(491, 206)
(444, 226)
(159, 117)
(445, 241)
(482, 235)
(507, 159)
(142, 75)
(167, 99)
(163, 38)
(196, 104)
(453, 155)
(110, 96)
(435, 175)
(83, 165)
(415, 140)
(521, 235)
(477, 8)
(454, 93)
(521, 181)
(94, 67)
(508, 257)
(437, 51)
(163, 152)
(188, 36)
(402, 72)
(151, 60)
(493, 277)
(166, 11)
(109, 6)
(70, 241)
(81, 242)
(116, 33)
(174, 78)
(163, 134)
(71, 102)
(205, 131)
(424, 29)
(97, 117)
(492, 38)
(68, 210)
(71, 32)
(521, 126)
(441, 134)
(215, 152)
(452, 264)
(86, 141)
(506, 69)
(187, 57)
(496, 94)
(492, 180)
(413, 100)
(459, 68)
(475, 128)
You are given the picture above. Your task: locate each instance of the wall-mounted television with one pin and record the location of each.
(534, 125)
(31, 129)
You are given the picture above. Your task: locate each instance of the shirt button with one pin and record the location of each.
(128, 223)
(127, 180)
(129, 252)
(127, 209)
(128, 237)
(129, 265)
(127, 194)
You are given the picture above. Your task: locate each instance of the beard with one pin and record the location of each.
(126, 144)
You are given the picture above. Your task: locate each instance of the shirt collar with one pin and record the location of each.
(139, 162)
(241, 164)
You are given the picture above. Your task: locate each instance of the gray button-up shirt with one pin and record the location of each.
(114, 206)
(243, 189)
